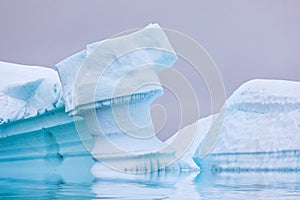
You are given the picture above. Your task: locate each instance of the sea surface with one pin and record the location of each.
(194, 185)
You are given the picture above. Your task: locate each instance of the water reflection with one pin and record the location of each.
(268, 185)
(173, 185)
(27, 189)
(147, 186)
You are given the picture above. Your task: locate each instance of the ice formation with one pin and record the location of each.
(261, 129)
(38, 132)
(98, 106)
(116, 67)
(38, 139)
(27, 91)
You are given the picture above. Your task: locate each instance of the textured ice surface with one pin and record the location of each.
(261, 129)
(27, 91)
(118, 67)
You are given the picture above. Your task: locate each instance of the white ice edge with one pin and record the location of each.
(136, 57)
(27, 91)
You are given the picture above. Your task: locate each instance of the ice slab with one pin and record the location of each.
(261, 129)
(116, 67)
(27, 91)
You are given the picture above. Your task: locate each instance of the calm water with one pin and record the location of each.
(167, 186)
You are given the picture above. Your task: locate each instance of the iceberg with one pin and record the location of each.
(261, 130)
(111, 85)
(92, 115)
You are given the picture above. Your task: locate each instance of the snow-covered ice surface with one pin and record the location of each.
(27, 91)
(261, 129)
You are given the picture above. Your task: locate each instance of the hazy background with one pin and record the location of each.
(246, 39)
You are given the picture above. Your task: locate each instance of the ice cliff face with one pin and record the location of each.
(261, 129)
(27, 91)
(111, 84)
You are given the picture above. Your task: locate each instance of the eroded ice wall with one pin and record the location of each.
(38, 140)
(111, 85)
